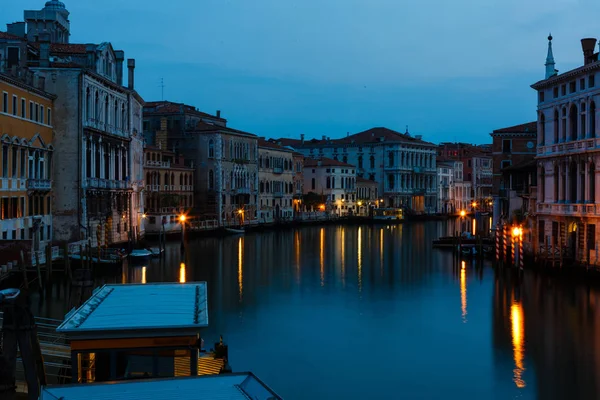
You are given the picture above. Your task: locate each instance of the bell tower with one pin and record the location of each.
(53, 19)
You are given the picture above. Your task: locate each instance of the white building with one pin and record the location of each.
(461, 190)
(403, 165)
(445, 201)
(333, 179)
(568, 154)
(276, 182)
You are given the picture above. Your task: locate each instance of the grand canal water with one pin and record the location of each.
(361, 312)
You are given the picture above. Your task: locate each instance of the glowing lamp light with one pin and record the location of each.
(463, 213)
(474, 204)
(144, 215)
(359, 203)
(182, 218)
(240, 211)
(517, 232)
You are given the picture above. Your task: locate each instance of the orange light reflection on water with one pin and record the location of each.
(322, 256)
(240, 269)
(182, 273)
(463, 291)
(518, 339)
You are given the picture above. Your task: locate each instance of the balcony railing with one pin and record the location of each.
(242, 191)
(158, 164)
(102, 126)
(39, 184)
(277, 170)
(278, 194)
(568, 209)
(107, 183)
(580, 145)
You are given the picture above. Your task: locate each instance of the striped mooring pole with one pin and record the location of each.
(497, 242)
(521, 263)
(505, 243)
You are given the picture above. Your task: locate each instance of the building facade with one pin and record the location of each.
(445, 201)
(276, 173)
(511, 146)
(169, 190)
(402, 165)
(98, 129)
(298, 180)
(367, 196)
(568, 154)
(335, 181)
(26, 160)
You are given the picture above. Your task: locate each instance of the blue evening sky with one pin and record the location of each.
(450, 70)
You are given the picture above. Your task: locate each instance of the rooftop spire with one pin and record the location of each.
(550, 71)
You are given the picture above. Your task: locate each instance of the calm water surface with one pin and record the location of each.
(373, 312)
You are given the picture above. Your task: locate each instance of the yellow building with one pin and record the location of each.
(26, 159)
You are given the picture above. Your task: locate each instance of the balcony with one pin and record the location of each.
(242, 191)
(39, 184)
(277, 170)
(278, 194)
(98, 183)
(576, 210)
(158, 164)
(102, 126)
(578, 146)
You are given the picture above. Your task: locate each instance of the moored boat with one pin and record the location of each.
(139, 255)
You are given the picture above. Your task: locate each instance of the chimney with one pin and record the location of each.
(16, 28)
(120, 56)
(130, 69)
(347, 134)
(44, 40)
(218, 113)
(41, 82)
(588, 45)
(302, 138)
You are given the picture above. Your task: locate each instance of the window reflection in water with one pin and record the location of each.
(182, 273)
(359, 259)
(240, 264)
(381, 251)
(322, 256)
(297, 245)
(143, 274)
(343, 256)
(463, 291)
(518, 339)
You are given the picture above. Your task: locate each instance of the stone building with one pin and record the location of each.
(98, 129)
(225, 159)
(169, 189)
(298, 180)
(445, 171)
(402, 165)
(26, 159)
(367, 195)
(511, 146)
(275, 181)
(333, 179)
(568, 155)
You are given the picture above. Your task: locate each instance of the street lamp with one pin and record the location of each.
(182, 219)
(517, 235)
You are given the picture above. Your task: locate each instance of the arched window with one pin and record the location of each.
(123, 118)
(542, 134)
(172, 179)
(333, 182)
(390, 181)
(262, 187)
(88, 104)
(582, 131)
(211, 149)
(181, 179)
(556, 126)
(542, 185)
(563, 130)
(372, 161)
(116, 115)
(267, 187)
(391, 158)
(267, 163)
(592, 119)
(360, 161)
(166, 178)
(573, 123)
(211, 180)
(592, 184)
(106, 112)
(97, 107)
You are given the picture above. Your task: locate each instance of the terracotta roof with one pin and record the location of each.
(10, 36)
(360, 179)
(325, 162)
(372, 135)
(204, 127)
(62, 48)
(529, 127)
(290, 142)
(168, 107)
(268, 144)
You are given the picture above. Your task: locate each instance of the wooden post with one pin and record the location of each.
(48, 270)
(39, 270)
(24, 269)
(67, 261)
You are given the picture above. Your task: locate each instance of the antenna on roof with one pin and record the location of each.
(162, 88)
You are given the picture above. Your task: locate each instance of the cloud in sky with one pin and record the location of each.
(451, 70)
